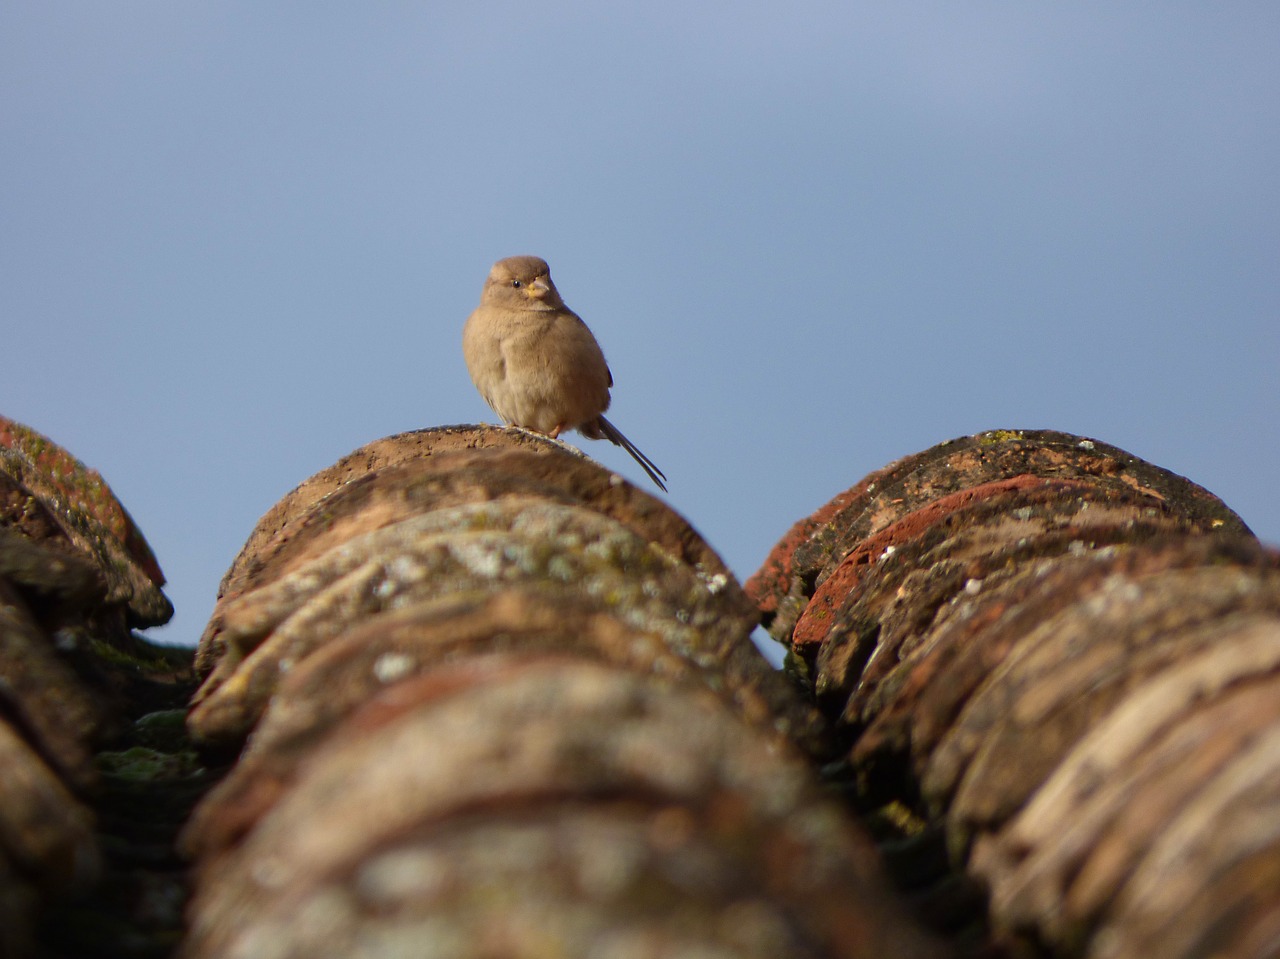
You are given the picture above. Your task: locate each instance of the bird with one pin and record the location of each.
(535, 361)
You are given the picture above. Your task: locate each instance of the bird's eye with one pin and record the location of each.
(517, 284)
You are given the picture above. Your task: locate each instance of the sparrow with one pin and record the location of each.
(535, 362)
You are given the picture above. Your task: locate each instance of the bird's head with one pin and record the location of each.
(522, 282)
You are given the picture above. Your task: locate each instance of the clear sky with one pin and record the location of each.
(238, 240)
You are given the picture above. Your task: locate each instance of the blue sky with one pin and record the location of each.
(239, 240)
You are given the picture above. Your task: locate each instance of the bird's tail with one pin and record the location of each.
(614, 436)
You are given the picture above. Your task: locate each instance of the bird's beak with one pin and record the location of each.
(539, 289)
